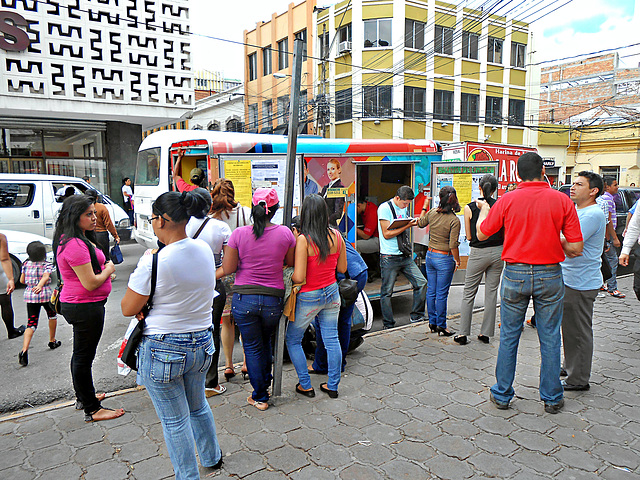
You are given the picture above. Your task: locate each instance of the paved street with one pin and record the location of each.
(411, 405)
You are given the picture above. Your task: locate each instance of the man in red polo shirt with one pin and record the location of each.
(368, 241)
(533, 216)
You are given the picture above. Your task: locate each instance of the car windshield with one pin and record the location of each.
(148, 167)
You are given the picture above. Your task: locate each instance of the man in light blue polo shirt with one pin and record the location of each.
(393, 261)
(582, 279)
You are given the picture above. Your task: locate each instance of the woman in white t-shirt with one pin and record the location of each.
(177, 345)
(228, 210)
(215, 233)
(127, 195)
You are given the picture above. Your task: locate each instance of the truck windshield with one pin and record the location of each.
(148, 167)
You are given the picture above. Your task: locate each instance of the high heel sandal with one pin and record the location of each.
(483, 338)
(461, 339)
(244, 372)
(433, 328)
(229, 373)
(444, 332)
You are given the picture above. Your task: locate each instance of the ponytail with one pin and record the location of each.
(181, 206)
(261, 215)
(488, 184)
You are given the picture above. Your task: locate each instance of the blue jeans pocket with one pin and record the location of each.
(166, 365)
(512, 289)
(209, 350)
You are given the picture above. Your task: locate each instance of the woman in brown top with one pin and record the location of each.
(443, 257)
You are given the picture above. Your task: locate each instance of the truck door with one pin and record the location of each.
(21, 207)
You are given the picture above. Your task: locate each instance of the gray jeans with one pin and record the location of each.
(577, 334)
(370, 245)
(481, 261)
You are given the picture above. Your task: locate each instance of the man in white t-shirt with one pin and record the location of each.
(393, 261)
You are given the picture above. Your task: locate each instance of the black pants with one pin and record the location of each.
(7, 312)
(33, 313)
(218, 305)
(103, 243)
(87, 320)
(636, 273)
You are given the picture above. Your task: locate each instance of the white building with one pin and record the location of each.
(79, 83)
(222, 112)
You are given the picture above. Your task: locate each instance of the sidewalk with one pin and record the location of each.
(412, 405)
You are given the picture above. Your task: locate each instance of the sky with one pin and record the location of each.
(577, 27)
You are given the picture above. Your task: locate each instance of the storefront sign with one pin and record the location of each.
(13, 38)
(549, 162)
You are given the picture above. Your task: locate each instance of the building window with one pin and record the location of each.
(518, 51)
(323, 38)
(443, 40)
(214, 126)
(303, 107)
(377, 33)
(283, 53)
(344, 33)
(413, 34)
(343, 105)
(516, 112)
(266, 61)
(494, 50)
(377, 101)
(469, 107)
(302, 35)
(267, 112)
(253, 115)
(470, 45)
(253, 66)
(612, 172)
(414, 102)
(234, 125)
(283, 109)
(493, 112)
(442, 105)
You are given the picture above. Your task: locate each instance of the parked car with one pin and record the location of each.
(17, 243)
(30, 203)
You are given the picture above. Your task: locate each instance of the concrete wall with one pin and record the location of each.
(123, 141)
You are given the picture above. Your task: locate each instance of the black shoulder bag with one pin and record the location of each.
(130, 352)
(404, 242)
(347, 287)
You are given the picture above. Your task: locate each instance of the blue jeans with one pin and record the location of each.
(173, 367)
(612, 258)
(344, 331)
(544, 284)
(257, 317)
(390, 266)
(440, 268)
(324, 304)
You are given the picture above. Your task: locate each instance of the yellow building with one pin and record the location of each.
(423, 69)
(609, 145)
(269, 65)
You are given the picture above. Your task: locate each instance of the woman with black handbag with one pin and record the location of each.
(320, 251)
(177, 344)
(86, 275)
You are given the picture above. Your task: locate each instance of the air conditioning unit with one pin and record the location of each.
(344, 47)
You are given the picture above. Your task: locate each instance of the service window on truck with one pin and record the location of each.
(148, 167)
(16, 194)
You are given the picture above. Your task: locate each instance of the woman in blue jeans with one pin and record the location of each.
(443, 257)
(320, 250)
(257, 253)
(177, 345)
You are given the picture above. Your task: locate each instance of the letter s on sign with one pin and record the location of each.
(9, 23)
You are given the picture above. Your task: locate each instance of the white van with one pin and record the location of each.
(30, 203)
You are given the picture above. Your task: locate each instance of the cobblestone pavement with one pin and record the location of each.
(411, 405)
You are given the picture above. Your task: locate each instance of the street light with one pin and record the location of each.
(280, 75)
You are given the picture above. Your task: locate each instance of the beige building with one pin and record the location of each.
(424, 69)
(268, 69)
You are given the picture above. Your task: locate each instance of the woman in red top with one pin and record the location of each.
(320, 251)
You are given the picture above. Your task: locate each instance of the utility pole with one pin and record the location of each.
(289, 186)
(323, 98)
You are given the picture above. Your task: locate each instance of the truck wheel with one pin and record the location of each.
(17, 270)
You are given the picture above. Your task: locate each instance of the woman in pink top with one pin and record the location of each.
(320, 251)
(257, 253)
(86, 275)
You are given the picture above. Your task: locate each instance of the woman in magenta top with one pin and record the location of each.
(320, 251)
(86, 276)
(257, 254)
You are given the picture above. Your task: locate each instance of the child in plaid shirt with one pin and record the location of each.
(36, 275)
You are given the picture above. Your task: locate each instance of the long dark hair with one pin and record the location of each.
(448, 200)
(488, 184)
(261, 215)
(314, 224)
(181, 206)
(67, 228)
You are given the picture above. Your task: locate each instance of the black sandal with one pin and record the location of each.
(88, 417)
